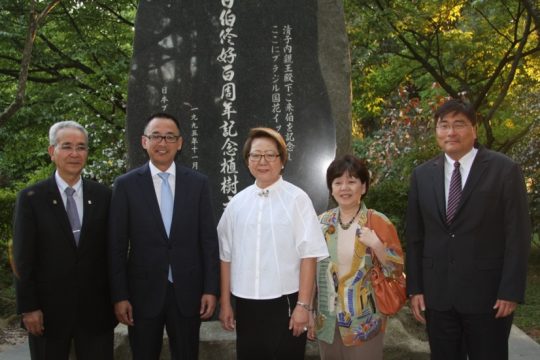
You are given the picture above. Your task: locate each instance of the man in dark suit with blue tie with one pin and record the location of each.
(60, 256)
(163, 248)
(468, 238)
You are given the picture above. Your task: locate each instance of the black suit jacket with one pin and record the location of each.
(140, 251)
(482, 255)
(69, 284)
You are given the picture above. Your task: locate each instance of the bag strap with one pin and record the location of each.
(373, 256)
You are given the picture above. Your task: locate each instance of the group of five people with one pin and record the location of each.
(148, 254)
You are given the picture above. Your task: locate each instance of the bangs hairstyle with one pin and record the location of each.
(347, 164)
(456, 106)
(263, 132)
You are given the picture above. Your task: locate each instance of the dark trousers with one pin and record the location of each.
(454, 336)
(146, 336)
(262, 330)
(87, 346)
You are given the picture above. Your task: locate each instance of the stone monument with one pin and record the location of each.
(225, 66)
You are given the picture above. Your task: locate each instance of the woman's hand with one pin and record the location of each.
(369, 238)
(226, 316)
(299, 320)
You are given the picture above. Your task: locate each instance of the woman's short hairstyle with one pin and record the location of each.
(263, 132)
(456, 106)
(347, 164)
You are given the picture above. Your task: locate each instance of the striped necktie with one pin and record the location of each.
(454, 194)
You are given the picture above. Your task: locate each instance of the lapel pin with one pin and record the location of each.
(54, 202)
(89, 202)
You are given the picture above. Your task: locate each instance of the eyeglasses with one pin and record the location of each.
(457, 126)
(270, 157)
(69, 148)
(171, 139)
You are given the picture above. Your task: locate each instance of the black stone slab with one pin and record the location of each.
(224, 67)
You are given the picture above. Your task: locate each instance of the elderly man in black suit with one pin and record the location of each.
(60, 256)
(468, 238)
(164, 250)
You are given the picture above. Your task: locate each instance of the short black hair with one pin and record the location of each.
(163, 115)
(351, 164)
(456, 106)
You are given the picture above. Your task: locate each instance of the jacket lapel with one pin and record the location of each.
(438, 186)
(88, 212)
(478, 168)
(148, 191)
(59, 210)
(180, 194)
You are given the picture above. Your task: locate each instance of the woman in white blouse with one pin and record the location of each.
(269, 243)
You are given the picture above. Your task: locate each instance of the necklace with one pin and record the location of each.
(348, 225)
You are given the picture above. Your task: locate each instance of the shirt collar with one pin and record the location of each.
(268, 189)
(62, 185)
(154, 170)
(465, 161)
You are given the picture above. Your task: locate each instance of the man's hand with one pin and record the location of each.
(33, 322)
(208, 305)
(124, 312)
(504, 308)
(418, 307)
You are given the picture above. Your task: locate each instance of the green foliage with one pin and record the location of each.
(7, 204)
(453, 48)
(79, 71)
(403, 141)
(408, 56)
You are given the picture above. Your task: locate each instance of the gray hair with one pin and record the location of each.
(53, 131)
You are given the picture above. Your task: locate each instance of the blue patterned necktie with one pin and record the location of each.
(167, 202)
(73, 214)
(454, 194)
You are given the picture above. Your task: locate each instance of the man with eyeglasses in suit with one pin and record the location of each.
(468, 238)
(164, 254)
(60, 256)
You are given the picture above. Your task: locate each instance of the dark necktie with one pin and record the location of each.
(454, 194)
(73, 214)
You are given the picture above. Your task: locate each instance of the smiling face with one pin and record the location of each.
(347, 190)
(265, 172)
(161, 152)
(69, 154)
(455, 135)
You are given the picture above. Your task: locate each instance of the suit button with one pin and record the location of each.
(169, 247)
(452, 261)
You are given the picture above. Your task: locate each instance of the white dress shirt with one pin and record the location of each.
(264, 234)
(465, 164)
(77, 195)
(154, 171)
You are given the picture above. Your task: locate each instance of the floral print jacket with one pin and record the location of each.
(349, 300)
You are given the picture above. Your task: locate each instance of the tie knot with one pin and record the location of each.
(164, 176)
(456, 165)
(69, 191)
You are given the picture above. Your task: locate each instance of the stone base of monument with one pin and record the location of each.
(404, 339)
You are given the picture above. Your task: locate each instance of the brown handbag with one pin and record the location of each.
(390, 294)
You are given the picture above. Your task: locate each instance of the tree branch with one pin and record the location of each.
(35, 21)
